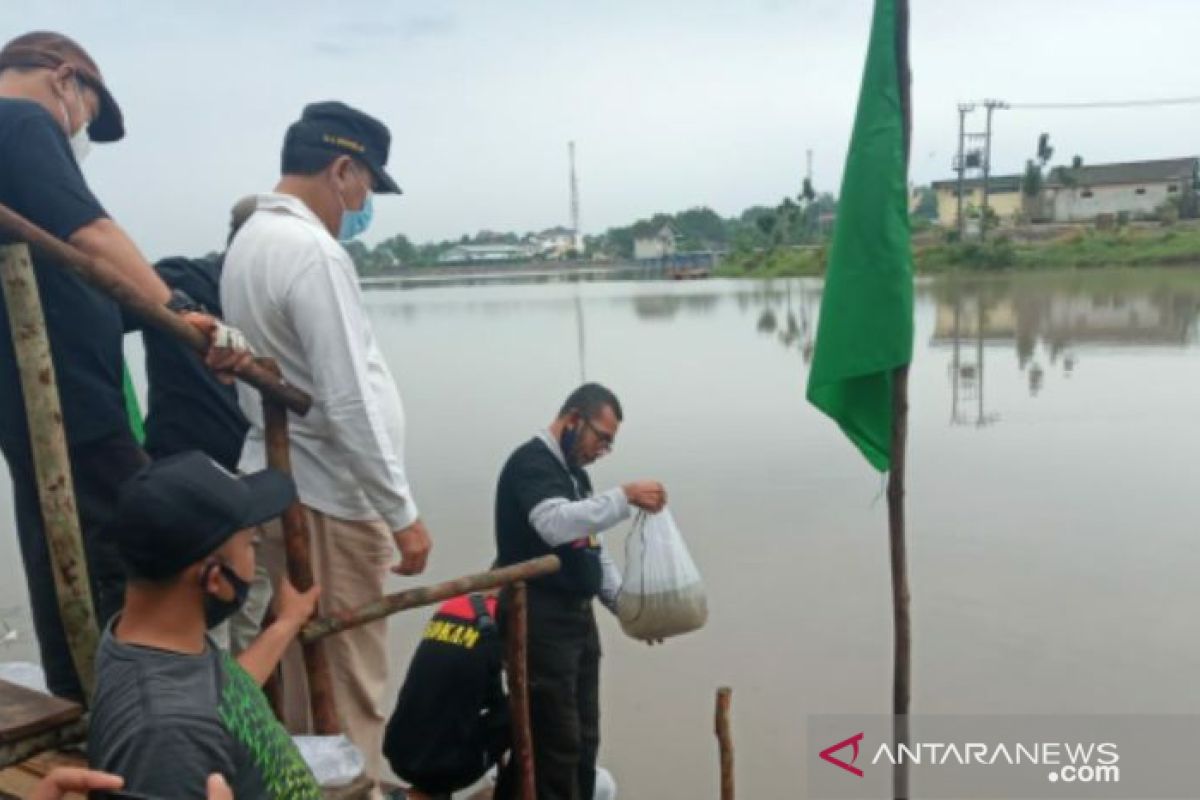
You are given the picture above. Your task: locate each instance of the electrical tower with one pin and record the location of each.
(960, 164)
(990, 105)
(973, 153)
(576, 235)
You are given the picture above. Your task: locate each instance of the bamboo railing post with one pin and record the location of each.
(427, 595)
(518, 691)
(299, 561)
(724, 740)
(52, 465)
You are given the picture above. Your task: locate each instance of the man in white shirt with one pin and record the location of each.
(293, 288)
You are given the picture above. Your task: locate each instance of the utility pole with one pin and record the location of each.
(961, 162)
(576, 236)
(990, 105)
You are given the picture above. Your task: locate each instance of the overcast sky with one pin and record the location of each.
(672, 104)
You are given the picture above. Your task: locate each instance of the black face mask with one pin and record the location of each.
(567, 441)
(217, 610)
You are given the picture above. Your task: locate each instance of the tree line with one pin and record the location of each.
(802, 219)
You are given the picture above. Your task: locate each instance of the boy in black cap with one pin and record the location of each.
(171, 708)
(291, 287)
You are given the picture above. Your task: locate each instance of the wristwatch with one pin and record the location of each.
(182, 303)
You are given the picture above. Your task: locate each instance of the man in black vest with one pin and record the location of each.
(545, 504)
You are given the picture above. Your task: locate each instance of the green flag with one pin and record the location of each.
(132, 408)
(865, 329)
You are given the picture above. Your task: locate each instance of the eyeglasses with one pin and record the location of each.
(607, 439)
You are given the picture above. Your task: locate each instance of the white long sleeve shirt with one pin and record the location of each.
(561, 521)
(292, 289)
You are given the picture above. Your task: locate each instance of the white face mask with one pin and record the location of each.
(81, 143)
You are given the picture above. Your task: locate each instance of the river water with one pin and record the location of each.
(1052, 498)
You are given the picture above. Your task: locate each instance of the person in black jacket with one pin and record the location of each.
(188, 408)
(451, 719)
(545, 504)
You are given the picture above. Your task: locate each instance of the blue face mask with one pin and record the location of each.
(355, 222)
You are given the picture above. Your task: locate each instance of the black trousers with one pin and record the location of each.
(98, 469)
(564, 698)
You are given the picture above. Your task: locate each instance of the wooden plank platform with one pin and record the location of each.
(29, 718)
(19, 781)
(25, 713)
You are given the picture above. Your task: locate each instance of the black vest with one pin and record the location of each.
(532, 475)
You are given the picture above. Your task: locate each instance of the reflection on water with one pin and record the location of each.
(1049, 322)
(1052, 555)
(797, 329)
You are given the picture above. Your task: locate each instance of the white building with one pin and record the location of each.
(1136, 188)
(485, 253)
(556, 242)
(656, 246)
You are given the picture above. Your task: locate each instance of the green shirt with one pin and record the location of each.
(165, 721)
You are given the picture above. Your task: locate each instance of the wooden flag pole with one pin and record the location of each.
(902, 622)
(902, 653)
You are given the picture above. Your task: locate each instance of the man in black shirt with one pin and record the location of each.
(545, 504)
(53, 102)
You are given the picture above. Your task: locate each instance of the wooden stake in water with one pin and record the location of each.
(518, 692)
(725, 740)
(52, 465)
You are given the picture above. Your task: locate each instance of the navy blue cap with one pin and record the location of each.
(335, 127)
(177, 510)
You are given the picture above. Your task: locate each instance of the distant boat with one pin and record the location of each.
(688, 273)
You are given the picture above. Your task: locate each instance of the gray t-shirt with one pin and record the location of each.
(165, 721)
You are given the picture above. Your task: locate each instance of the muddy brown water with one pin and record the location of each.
(1052, 498)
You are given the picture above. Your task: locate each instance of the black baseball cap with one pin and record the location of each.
(49, 50)
(177, 510)
(335, 127)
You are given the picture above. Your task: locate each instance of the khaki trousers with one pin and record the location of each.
(350, 560)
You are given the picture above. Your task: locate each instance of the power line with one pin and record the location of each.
(1165, 101)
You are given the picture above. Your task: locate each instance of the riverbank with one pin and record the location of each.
(1079, 248)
